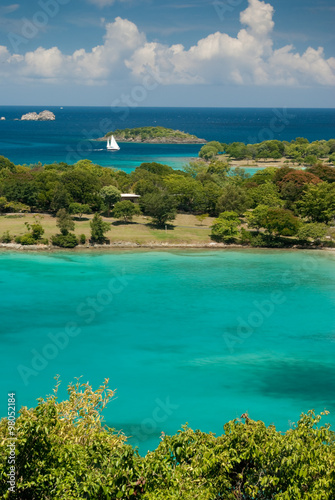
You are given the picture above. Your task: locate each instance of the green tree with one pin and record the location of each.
(208, 152)
(156, 168)
(266, 194)
(257, 217)
(314, 231)
(318, 202)
(225, 227)
(188, 192)
(64, 221)
(64, 451)
(60, 198)
(79, 209)
(110, 195)
(281, 222)
(125, 210)
(233, 198)
(264, 175)
(98, 229)
(160, 206)
(35, 228)
(6, 164)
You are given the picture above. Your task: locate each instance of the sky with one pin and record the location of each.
(220, 53)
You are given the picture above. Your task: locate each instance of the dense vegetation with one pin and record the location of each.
(299, 151)
(154, 134)
(64, 452)
(275, 207)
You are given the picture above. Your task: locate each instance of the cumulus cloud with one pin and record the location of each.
(247, 59)
(258, 18)
(121, 39)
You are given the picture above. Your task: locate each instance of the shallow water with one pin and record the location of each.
(184, 336)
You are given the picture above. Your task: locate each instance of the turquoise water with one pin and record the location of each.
(184, 336)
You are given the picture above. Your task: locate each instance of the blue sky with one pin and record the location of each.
(151, 53)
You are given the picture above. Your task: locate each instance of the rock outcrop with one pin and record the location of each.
(43, 116)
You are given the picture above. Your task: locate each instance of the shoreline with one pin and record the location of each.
(124, 245)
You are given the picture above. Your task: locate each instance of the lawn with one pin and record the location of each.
(185, 229)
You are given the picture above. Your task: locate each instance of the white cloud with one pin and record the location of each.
(247, 59)
(121, 39)
(258, 17)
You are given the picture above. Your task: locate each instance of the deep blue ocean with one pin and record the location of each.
(71, 136)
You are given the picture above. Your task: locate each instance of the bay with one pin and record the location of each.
(184, 336)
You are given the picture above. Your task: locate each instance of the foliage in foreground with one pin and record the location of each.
(63, 451)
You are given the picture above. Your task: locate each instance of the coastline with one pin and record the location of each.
(128, 245)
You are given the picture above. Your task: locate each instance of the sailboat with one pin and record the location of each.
(112, 145)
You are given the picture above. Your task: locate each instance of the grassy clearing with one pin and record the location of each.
(185, 229)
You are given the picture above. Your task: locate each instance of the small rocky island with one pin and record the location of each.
(154, 135)
(42, 117)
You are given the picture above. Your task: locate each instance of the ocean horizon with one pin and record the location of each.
(71, 137)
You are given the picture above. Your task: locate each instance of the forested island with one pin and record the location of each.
(208, 202)
(154, 135)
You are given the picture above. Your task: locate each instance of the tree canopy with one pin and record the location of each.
(65, 451)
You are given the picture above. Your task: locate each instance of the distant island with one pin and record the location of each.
(42, 117)
(154, 135)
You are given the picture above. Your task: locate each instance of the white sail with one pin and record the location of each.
(112, 145)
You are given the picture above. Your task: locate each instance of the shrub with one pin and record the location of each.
(26, 239)
(6, 237)
(82, 239)
(64, 240)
